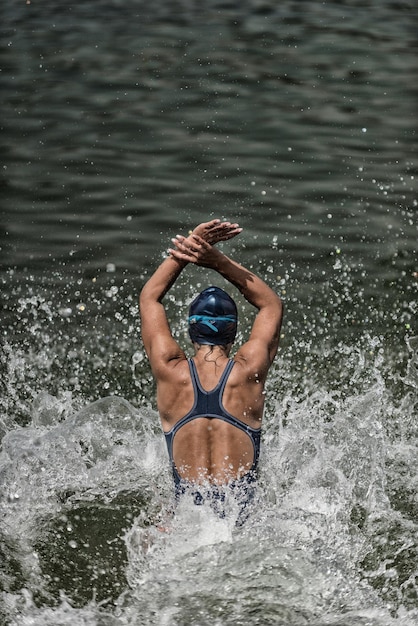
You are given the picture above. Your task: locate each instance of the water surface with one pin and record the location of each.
(123, 124)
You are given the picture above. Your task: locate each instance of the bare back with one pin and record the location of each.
(210, 449)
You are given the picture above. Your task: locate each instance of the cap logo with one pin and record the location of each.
(208, 320)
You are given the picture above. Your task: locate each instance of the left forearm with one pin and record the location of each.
(162, 280)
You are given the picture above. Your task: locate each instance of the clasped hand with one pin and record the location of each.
(197, 247)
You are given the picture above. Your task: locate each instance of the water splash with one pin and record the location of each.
(332, 542)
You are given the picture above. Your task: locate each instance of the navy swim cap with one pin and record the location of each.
(213, 318)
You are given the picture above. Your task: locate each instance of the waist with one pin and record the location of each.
(230, 499)
(234, 486)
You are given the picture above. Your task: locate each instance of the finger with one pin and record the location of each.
(200, 242)
(205, 226)
(181, 256)
(233, 232)
(211, 223)
(224, 227)
(184, 241)
(224, 236)
(179, 240)
(216, 225)
(184, 245)
(217, 233)
(220, 226)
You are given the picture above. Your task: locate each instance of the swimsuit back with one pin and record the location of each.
(208, 404)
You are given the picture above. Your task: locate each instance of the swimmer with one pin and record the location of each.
(211, 405)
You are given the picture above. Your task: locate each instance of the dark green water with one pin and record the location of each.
(121, 125)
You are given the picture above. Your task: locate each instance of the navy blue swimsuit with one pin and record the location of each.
(208, 404)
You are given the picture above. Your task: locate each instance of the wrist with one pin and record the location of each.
(177, 264)
(215, 259)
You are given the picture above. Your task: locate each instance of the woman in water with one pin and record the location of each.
(211, 405)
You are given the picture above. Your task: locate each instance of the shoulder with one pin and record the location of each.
(172, 367)
(253, 360)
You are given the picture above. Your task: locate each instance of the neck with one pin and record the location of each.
(204, 350)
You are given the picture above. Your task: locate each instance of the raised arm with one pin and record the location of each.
(159, 343)
(263, 342)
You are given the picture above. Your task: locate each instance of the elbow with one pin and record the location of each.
(142, 296)
(278, 306)
(277, 302)
(148, 296)
(145, 296)
(281, 313)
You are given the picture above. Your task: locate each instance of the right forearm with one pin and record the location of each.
(162, 280)
(253, 288)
